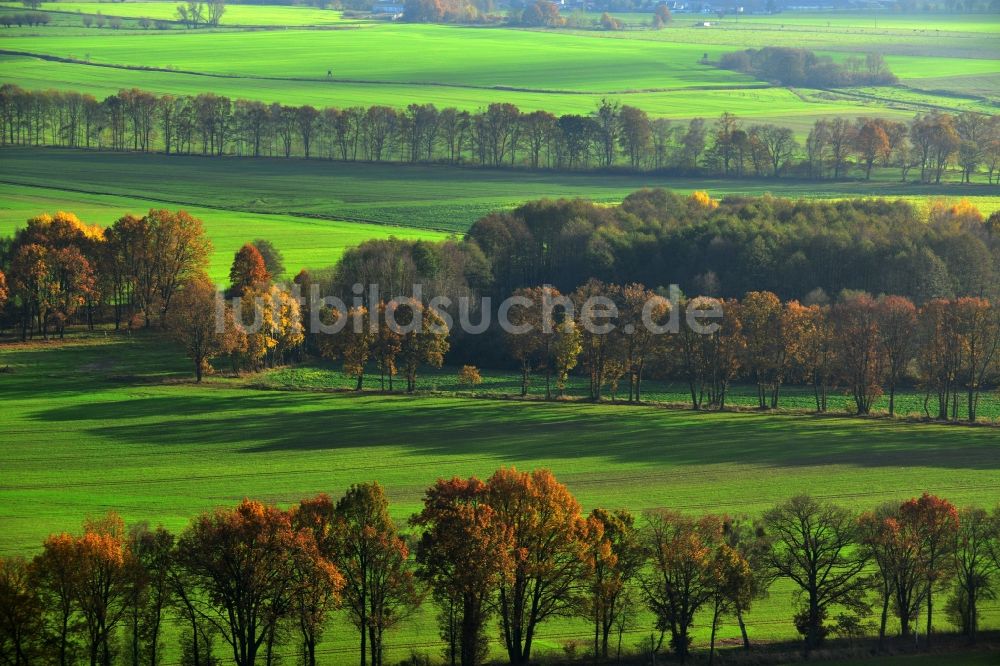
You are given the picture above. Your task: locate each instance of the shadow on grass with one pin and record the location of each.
(516, 432)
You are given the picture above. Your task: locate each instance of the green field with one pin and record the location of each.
(235, 15)
(432, 197)
(305, 243)
(557, 70)
(103, 422)
(326, 376)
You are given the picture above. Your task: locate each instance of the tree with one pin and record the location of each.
(871, 143)
(464, 554)
(977, 323)
(636, 134)
(754, 544)
(731, 583)
(767, 345)
(240, 563)
(379, 588)
(55, 574)
(194, 323)
(614, 555)
(680, 583)
(469, 375)
(815, 549)
(4, 293)
(547, 534)
(889, 539)
(274, 261)
(248, 270)
(565, 353)
(661, 17)
(425, 344)
(21, 625)
(862, 364)
(150, 592)
(319, 583)
(897, 323)
(936, 523)
(978, 533)
(352, 344)
(102, 582)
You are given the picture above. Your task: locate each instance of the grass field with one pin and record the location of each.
(235, 15)
(326, 376)
(305, 243)
(560, 71)
(165, 450)
(434, 197)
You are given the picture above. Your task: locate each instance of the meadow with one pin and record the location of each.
(235, 15)
(167, 449)
(304, 242)
(442, 198)
(562, 71)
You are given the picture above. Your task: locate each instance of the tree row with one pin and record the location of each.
(501, 135)
(498, 560)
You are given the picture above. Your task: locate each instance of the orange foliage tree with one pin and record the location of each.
(465, 552)
(548, 541)
(248, 270)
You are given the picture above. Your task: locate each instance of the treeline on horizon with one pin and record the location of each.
(151, 270)
(501, 135)
(499, 558)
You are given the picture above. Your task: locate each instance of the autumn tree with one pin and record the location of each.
(681, 550)
(379, 587)
(180, 250)
(425, 343)
(55, 575)
(248, 270)
(319, 584)
(240, 564)
(731, 584)
(939, 354)
(526, 340)
(4, 293)
(815, 549)
(935, 522)
(614, 555)
(196, 325)
(890, 541)
(859, 353)
(103, 581)
(897, 325)
(566, 350)
(352, 343)
(272, 320)
(978, 327)
(464, 553)
(547, 534)
(761, 315)
(871, 143)
(640, 309)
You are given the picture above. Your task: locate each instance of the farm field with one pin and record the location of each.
(559, 71)
(431, 197)
(236, 15)
(304, 242)
(168, 449)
